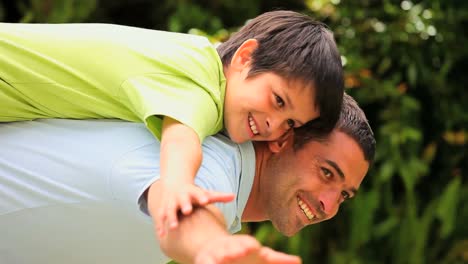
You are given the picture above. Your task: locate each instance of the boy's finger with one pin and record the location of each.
(160, 221)
(160, 232)
(171, 212)
(215, 197)
(200, 197)
(185, 204)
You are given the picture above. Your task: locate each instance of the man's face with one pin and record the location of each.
(263, 107)
(307, 186)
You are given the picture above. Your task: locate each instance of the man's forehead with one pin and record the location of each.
(316, 146)
(314, 153)
(338, 148)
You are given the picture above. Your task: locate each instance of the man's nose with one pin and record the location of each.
(330, 202)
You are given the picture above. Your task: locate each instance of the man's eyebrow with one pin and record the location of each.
(336, 167)
(340, 172)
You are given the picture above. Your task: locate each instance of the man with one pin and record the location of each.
(74, 195)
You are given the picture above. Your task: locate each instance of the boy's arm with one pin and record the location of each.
(181, 156)
(181, 152)
(201, 238)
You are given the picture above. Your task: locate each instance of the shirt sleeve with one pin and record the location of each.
(136, 170)
(153, 96)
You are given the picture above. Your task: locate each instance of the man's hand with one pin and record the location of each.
(202, 238)
(241, 249)
(182, 196)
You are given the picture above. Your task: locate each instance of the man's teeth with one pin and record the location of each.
(253, 127)
(305, 209)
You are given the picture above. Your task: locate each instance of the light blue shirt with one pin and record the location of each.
(71, 191)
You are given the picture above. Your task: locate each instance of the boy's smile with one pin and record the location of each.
(253, 126)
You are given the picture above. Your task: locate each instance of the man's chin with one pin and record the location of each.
(286, 230)
(290, 234)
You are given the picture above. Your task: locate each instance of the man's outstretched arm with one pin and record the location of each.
(201, 238)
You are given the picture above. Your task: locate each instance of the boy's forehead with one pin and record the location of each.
(302, 100)
(303, 88)
(300, 83)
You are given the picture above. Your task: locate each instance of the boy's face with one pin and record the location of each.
(265, 106)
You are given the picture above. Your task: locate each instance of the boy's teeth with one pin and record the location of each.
(253, 127)
(305, 209)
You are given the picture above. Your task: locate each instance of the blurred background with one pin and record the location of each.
(406, 64)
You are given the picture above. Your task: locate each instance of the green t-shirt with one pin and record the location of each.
(85, 71)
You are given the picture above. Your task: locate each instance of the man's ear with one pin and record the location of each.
(285, 141)
(243, 55)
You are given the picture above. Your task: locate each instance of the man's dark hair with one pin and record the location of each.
(352, 122)
(296, 48)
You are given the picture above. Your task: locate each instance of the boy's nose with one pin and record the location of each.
(277, 126)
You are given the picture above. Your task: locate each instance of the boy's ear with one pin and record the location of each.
(285, 141)
(243, 55)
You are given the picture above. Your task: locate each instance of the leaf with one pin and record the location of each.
(429, 152)
(363, 213)
(386, 227)
(446, 210)
(386, 172)
(412, 74)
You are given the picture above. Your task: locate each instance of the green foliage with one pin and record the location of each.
(62, 11)
(405, 64)
(402, 67)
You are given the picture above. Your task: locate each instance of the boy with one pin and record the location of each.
(280, 71)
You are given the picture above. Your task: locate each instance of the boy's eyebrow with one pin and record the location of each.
(340, 172)
(289, 102)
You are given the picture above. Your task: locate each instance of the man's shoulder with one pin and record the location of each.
(225, 147)
(222, 140)
(221, 149)
(228, 167)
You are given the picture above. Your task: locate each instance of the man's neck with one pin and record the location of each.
(253, 211)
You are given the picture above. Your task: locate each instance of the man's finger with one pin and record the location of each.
(275, 257)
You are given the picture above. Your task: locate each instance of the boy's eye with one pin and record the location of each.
(279, 101)
(291, 123)
(327, 173)
(345, 195)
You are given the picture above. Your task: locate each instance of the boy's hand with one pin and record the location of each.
(182, 197)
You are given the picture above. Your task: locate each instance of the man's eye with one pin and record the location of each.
(279, 101)
(291, 123)
(345, 195)
(327, 173)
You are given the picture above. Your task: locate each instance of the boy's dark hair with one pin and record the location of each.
(352, 122)
(295, 47)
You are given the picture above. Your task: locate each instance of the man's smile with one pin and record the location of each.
(305, 209)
